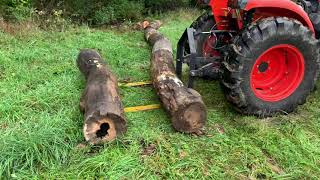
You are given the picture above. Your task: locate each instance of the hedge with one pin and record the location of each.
(93, 12)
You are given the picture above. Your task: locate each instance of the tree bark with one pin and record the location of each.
(185, 106)
(100, 101)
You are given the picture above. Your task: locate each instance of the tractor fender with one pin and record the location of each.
(284, 8)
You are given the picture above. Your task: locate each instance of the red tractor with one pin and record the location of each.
(264, 52)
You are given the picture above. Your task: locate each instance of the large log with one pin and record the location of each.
(100, 101)
(185, 106)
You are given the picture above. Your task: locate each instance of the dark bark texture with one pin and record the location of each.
(100, 101)
(185, 106)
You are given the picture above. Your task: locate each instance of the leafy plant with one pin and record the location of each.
(94, 12)
(116, 11)
(18, 10)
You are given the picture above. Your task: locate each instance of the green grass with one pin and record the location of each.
(41, 125)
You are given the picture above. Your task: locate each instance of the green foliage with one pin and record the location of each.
(165, 5)
(117, 11)
(16, 9)
(95, 12)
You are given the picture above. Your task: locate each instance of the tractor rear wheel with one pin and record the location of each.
(271, 67)
(205, 42)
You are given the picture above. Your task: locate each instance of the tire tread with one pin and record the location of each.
(239, 51)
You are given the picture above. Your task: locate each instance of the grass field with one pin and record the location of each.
(41, 125)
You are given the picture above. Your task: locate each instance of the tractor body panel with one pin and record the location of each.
(221, 12)
(225, 10)
(281, 8)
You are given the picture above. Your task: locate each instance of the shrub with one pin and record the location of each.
(118, 11)
(93, 12)
(165, 5)
(16, 10)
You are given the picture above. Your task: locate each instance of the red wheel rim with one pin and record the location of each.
(208, 47)
(277, 73)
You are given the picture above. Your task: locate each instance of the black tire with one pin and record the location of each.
(204, 23)
(248, 46)
(315, 19)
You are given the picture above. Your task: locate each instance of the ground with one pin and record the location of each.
(41, 125)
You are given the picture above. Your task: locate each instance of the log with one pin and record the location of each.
(100, 101)
(184, 105)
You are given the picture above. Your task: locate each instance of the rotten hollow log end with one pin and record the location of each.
(100, 101)
(104, 129)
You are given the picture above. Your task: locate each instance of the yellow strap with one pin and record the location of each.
(139, 108)
(135, 84)
(142, 108)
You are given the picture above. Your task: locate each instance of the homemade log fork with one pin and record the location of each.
(101, 103)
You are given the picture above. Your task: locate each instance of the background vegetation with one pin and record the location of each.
(94, 12)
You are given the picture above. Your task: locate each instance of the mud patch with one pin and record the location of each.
(272, 164)
(3, 126)
(147, 149)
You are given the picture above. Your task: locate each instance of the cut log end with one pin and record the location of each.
(191, 119)
(101, 131)
(154, 25)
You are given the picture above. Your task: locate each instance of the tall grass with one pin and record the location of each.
(41, 125)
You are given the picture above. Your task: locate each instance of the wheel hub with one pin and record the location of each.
(277, 73)
(263, 67)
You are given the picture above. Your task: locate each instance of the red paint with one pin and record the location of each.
(284, 73)
(264, 8)
(208, 47)
(282, 8)
(221, 11)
